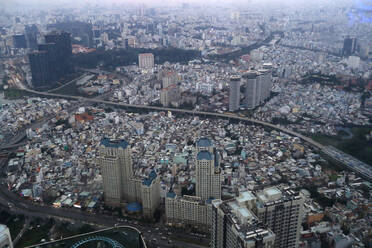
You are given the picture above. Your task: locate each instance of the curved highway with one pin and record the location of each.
(185, 111)
(356, 166)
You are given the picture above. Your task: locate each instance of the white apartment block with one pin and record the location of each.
(119, 183)
(146, 60)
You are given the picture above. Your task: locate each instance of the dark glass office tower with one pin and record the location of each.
(31, 36)
(51, 50)
(19, 41)
(63, 52)
(39, 68)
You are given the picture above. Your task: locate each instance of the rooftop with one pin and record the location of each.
(151, 177)
(204, 155)
(114, 143)
(204, 142)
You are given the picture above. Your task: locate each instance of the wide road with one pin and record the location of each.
(18, 205)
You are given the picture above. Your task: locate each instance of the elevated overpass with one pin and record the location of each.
(183, 111)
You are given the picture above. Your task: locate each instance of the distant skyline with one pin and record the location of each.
(152, 2)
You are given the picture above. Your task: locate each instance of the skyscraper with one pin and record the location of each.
(265, 84)
(208, 172)
(83, 31)
(146, 60)
(281, 209)
(268, 218)
(119, 183)
(39, 68)
(116, 169)
(234, 93)
(234, 225)
(51, 50)
(258, 86)
(55, 57)
(350, 45)
(63, 51)
(19, 41)
(31, 36)
(250, 89)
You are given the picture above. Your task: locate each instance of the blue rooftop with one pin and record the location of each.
(114, 143)
(134, 207)
(171, 195)
(204, 142)
(204, 155)
(150, 178)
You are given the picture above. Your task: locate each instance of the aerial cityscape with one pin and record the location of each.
(183, 123)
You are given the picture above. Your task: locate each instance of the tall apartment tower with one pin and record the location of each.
(234, 225)
(150, 194)
(281, 209)
(265, 84)
(250, 89)
(116, 170)
(208, 172)
(146, 60)
(5, 239)
(234, 93)
(268, 218)
(119, 182)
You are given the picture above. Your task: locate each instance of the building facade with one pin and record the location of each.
(235, 226)
(39, 68)
(119, 183)
(234, 94)
(170, 95)
(258, 86)
(208, 172)
(197, 210)
(5, 239)
(250, 89)
(281, 209)
(271, 217)
(187, 210)
(146, 60)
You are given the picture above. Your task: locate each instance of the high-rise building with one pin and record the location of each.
(146, 60)
(208, 172)
(19, 41)
(234, 225)
(187, 210)
(265, 84)
(258, 86)
(350, 45)
(39, 68)
(81, 30)
(281, 209)
(119, 183)
(234, 93)
(31, 36)
(53, 60)
(250, 89)
(116, 170)
(150, 194)
(51, 50)
(241, 222)
(170, 95)
(63, 51)
(196, 210)
(5, 239)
